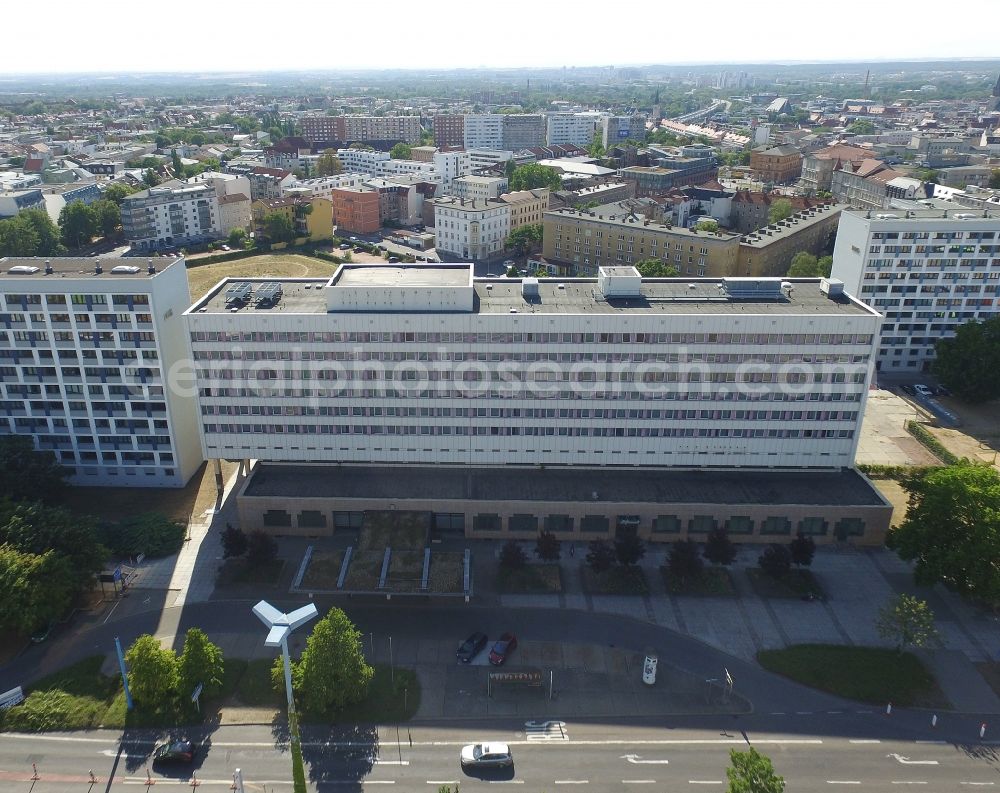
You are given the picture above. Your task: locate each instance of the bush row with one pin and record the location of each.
(933, 445)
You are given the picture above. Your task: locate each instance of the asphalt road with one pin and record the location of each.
(653, 757)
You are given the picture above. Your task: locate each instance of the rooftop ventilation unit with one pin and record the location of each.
(238, 293)
(752, 288)
(124, 269)
(22, 269)
(619, 282)
(529, 289)
(268, 294)
(831, 287)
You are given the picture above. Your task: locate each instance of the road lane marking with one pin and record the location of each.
(638, 781)
(705, 782)
(391, 762)
(907, 782)
(934, 743)
(834, 712)
(865, 740)
(634, 758)
(803, 713)
(442, 781)
(545, 731)
(977, 783)
(778, 713)
(506, 781)
(908, 761)
(843, 781)
(572, 781)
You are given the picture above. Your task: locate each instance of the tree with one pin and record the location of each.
(862, 127)
(46, 231)
(926, 175)
(36, 589)
(719, 549)
(776, 560)
(237, 238)
(117, 192)
(175, 162)
(656, 268)
(278, 227)
(508, 169)
(512, 272)
(107, 217)
(200, 662)
(234, 541)
(25, 472)
(512, 555)
(684, 561)
(162, 141)
(629, 547)
(329, 164)
(805, 265)
(533, 176)
(17, 237)
(525, 239)
(76, 224)
(262, 549)
(596, 147)
(968, 363)
(547, 547)
(600, 556)
(752, 772)
(780, 209)
(995, 179)
(152, 672)
(907, 621)
(802, 549)
(400, 151)
(825, 266)
(151, 178)
(332, 672)
(708, 226)
(952, 529)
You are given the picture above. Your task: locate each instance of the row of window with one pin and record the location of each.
(14, 300)
(511, 431)
(459, 337)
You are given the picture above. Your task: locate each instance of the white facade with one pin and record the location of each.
(89, 367)
(323, 186)
(361, 161)
(575, 128)
(171, 214)
(223, 183)
(487, 158)
(422, 365)
(479, 188)
(470, 229)
(927, 273)
(450, 165)
(483, 131)
(425, 170)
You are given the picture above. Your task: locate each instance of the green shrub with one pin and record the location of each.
(150, 533)
(898, 472)
(41, 711)
(932, 444)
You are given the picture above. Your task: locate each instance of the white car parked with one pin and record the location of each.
(487, 755)
(923, 390)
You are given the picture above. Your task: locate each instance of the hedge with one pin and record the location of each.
(897, 472)
(933, 445)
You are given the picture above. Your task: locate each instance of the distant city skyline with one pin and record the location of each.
(194, 36)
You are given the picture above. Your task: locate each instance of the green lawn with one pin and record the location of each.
(866, 674)
(616, 581)
(712, 582)
(530, 579)
(77, 698)
(238, 571)
(392, 697)
(795, 585)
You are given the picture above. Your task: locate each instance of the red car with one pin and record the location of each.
(503, 647)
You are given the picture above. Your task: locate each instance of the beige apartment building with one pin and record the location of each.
(769, 250)
(526, 206)
(612, 235)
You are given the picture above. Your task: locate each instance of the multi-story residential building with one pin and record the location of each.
(355, 129)
(867, 185)
(750, 211)
(818, 166)
(88, 350)
(312, 219)
(526, 206)
(473, 230)
(449, 130)
(927, 270)
(450, 165)
(361, 161)
(615, 129)
(615, 235)
(356, 210)
(171, 214)
(17, 200)
(323, 129)
(769, 251)
(323, 186)
(400, 202)
(423, 153)
(287, 153)
(235, 213)
(776, 164)
(422, 384)
(522, 131)
(654, 180)
(484, 131)
(223, 183)
(487, 158)
(478, 188)
(576, 128)
(265, 183)
(965, 175)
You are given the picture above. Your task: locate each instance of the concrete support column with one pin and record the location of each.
(220, 483)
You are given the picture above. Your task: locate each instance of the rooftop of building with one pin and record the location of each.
(554, 296)
(944, 211)
(793, 224)
(21, 268)
(467, 204)
(622, 213)
(570, 484)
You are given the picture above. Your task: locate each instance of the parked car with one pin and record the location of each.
(345, 246)
(175, 751)
(502, 648)
(941, 391)
(393, 260)
(471, 647)
(923, 390)
(908, 389)
(487, 755)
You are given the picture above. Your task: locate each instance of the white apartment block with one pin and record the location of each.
(575, 128)
(360, 161)
(928, 271)
(171, 214)
(425, 170)
(450, 165)
(470, 229)
(323, 186)
(479, 188)
(483, 131)
(423, 364)
(223, 183)
(487, 158)
(91, 357)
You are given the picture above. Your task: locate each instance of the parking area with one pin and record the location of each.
(884, 439)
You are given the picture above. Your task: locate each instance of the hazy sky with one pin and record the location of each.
(209, 35)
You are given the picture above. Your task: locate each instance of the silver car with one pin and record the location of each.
(487, 755)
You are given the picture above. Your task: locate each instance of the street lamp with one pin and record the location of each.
(281, 625)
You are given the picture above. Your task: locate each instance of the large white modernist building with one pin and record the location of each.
(89, 349)
(173, 213)
(928, 271)
(422, 364)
